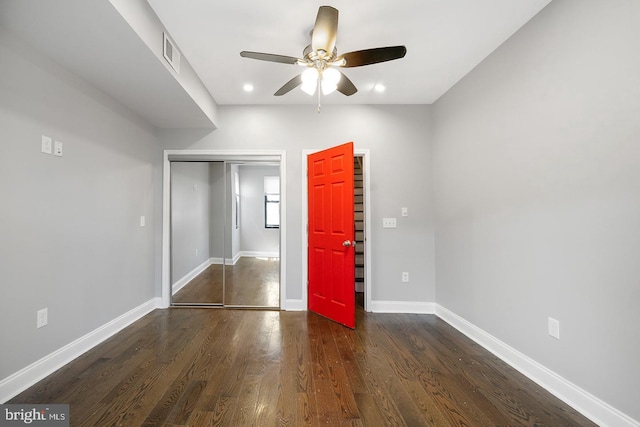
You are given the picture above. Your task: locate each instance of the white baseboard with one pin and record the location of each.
(248, 254)
(26, 377)
(582, 401)
(259, 254)
(294, 305)
(182, 282)
(406, 307)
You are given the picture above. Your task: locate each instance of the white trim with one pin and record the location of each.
(227, 261)
(218, 155)
(184, 281)
(407, 307)
(165, 293)
(366, 156)
(588, 405)
(258, 254)
(295, 305)
(368, 224)
(26, 377)
(283, 226)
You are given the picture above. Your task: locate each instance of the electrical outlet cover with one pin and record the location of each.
(57, 148)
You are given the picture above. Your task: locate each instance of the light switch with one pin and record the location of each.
(389, 223)
(42, 318)
(46, 144)
(405, 211)
(554, 327)
(142, 221)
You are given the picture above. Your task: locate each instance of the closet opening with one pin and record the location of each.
(217, 249)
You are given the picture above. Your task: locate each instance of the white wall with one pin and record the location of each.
(537, 184)
(254, 237)
(70, 226)
(190, 217)
(398, 140)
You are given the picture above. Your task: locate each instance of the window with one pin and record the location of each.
(272, 202)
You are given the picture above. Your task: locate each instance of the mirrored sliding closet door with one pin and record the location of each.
(225, 235)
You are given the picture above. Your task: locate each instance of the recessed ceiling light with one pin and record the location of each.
(379, 87)
(248, 87)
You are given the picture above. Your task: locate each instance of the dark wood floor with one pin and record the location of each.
(250, 281)
(204, 367)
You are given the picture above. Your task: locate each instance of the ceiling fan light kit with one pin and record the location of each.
(327, 79)
(321, 56)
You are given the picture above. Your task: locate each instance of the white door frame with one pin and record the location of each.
(218, 155)
(366, 157)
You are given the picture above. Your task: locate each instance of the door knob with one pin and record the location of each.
(348, 243)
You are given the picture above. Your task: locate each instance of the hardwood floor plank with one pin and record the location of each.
(306, 409)
(187, 402)
(371, 363)
(223, 411)
(199, 367)
(247, 401)
(201, 419)
(270, 389)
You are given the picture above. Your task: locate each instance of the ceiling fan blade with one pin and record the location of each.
(269, 57)
(290, 85)
(359, 58)
(346, 86)
(325, 30)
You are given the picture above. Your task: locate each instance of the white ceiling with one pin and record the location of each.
(445, 39)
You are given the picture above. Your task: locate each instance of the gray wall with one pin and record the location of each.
(190, 217)
(537, 178)
(70, 227)
(216, 209)
(254, 237)
(398, 140)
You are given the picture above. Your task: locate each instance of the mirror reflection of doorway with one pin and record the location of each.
(224, 249)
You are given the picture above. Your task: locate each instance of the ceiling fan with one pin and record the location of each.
(321, 57)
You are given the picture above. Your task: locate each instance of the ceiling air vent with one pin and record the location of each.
(171, 53)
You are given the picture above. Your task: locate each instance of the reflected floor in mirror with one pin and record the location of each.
(249, 282)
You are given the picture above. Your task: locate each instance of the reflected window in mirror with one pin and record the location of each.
(272, 202)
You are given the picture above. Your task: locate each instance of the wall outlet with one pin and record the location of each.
(57, 148)
(554, 327)
(42, 318)
(405, 277)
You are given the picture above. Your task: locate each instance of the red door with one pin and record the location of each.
(331, 234)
